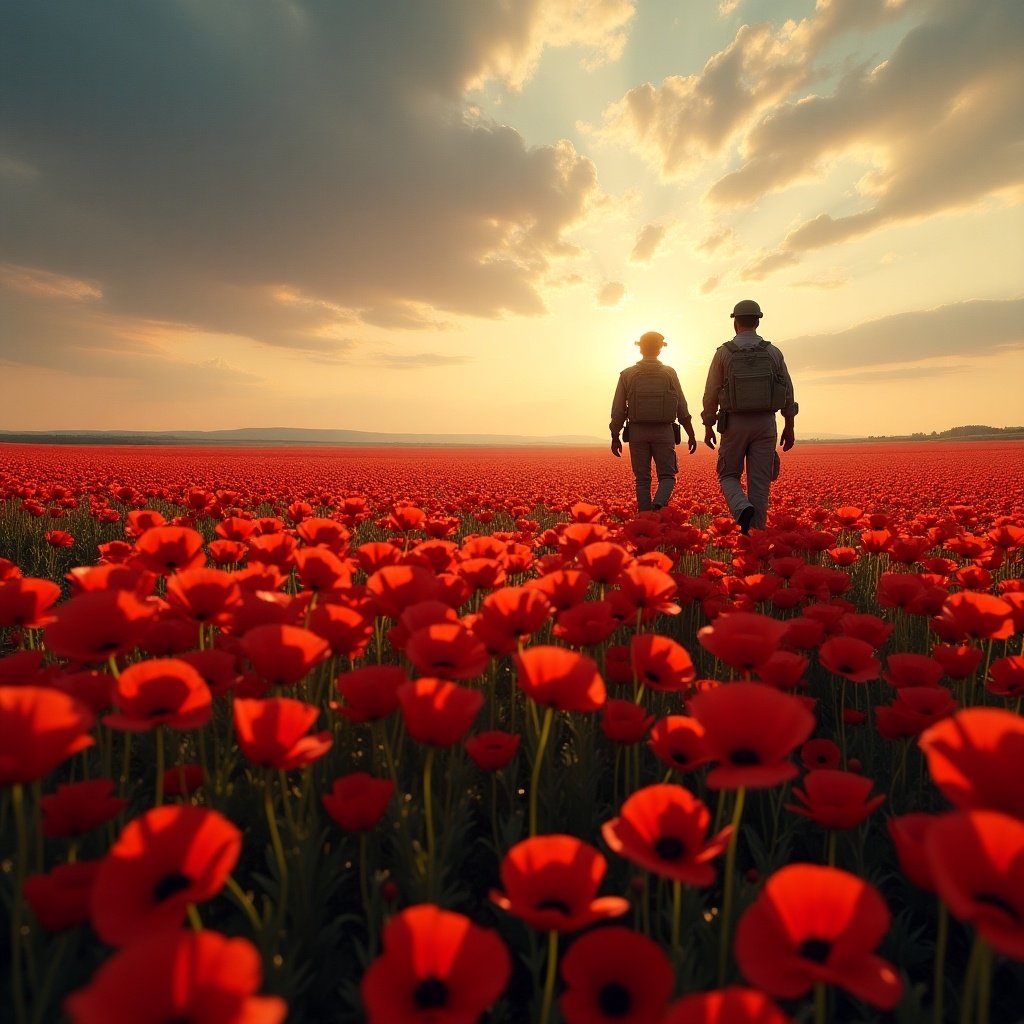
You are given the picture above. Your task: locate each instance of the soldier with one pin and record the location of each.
(748, 382)
(648, 399)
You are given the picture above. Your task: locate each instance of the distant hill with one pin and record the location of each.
(287, 436)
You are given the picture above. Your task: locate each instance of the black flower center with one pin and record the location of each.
(669, 848)
(170, 885)
(652, 677)
(614, 999)
(554, 904)
(159, 712)
(816, 950)
(745, 755)
(991, 899)
(430, 994)
(679, 757)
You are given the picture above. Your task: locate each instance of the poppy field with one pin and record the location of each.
(448, 736)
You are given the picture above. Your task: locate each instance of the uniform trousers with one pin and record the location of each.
(653, 443)
(747, 444)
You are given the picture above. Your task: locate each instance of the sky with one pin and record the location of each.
(458, 216)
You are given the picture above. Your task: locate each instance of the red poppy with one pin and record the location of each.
(911, 670)
(161, 691)
(447, 650)
(274, 732)
(820, 753)
(914, 709)
(899, 589)
(78, 807)
(958, 661)
(283, 654)
(615, 975)
(325, 533)
(972, 754)
(743, 640)
(322, 571)
(26, 668)
(977, 862)
(178, 976)
(25, 601)
(93, 688)
(802, 633)
(169, 549)
(139, 520)
(516, 611)
(551, 883)
(436, 966)
(39, 728)
(217, 667)
(648, 590)
(869, 628)
(418, 616)
(663, 828)
(1006, 676)
(784, 670)
(167, 635)
(370, 693)
(659, 663)
(184, 779)
(60, 898)
(564, 588)
(977, 616)
(731, 1005)
(678, 741)
(438, 712)
(814, 924)
(162, 861)
(204, 595)
(345, 629)
(391, 589)
(850, 658)
(750, 729)
(560, 678)
(623, 721)
(97, 625)
(493, 750)
(603, 561)
(273, 549)
(908, 832)
(358, 801)
(835, 799)
(586, 624)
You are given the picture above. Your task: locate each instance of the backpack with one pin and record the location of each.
(753, 382)
(650, 396)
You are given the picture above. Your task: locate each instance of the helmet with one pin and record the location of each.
(746, 307)
(651, 338)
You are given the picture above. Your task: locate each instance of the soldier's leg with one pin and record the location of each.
(640, 459)
(760, 470)
(667, 465)
(731, 455)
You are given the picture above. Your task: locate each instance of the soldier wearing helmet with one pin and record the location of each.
(648, 398)
(748, 382)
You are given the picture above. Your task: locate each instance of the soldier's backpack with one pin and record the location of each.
(753, 382)
(650, 396)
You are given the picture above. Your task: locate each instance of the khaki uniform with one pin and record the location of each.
(747, 440)
(649, 442)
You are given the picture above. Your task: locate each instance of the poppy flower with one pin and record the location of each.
(345, 629)
(869, 628)
(911, 670)
(972, 754)
(97, 625)
(178, 976)
(742, 640)
(370, 693)
(169, 549)
(25, 601)
(750, 729)
(564, 588)
(1006, 676)
(730, 1005)
(161, 691)
(560, 678)
(850, 658)
(914, 710)
(908, 832)
(958, 661)
(814, 924)
(898, 589)
(274, 732)
(168, 635)
(835, 799)
(217, 667)
(615, 975)
(493, 750)
(204, 595)
(516, 611)
(647, 590)
(358, 801)
(586, 624)
(60, 898)
(184, 779)
(977, 862)
(663, 828)
(820, 753)
(391, 589)
(273, 549)
(41, 727)
(623, 721)
(551, 883)
(436, 966)
(678, 741)
(603, 561)
(447, 650)
(438, 712)
(976, 616)
(376, 555)
(322, 571)
(784, 670)
(162, 861)
(418, 616)
(283, 654)
(78, 807)
(26, 668)
(802, 633)
(659, 663)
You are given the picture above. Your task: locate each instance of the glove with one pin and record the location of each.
(616, 446)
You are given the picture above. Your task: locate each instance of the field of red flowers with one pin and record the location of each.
(434, 736)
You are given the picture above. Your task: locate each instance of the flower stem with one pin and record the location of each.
(428, 815)
(677, 913)
(538, 760)
(820, 1002)
(275, 839)
(730, 865)
(549, 980)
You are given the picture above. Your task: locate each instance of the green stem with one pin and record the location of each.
(677, 913)
(428, 815)
(820, 1002)
(243, 900)
(538, 760)
(832, 847)
(55, 961)
(275, 839)
(970, 984)
(730, 865)
(549, 980)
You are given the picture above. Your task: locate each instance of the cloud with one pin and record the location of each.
(892, 375)
(713, 242)
(195, 162)
(45, 283)
(611, 293)
(976, 328)
(420, 360)
(647, 242)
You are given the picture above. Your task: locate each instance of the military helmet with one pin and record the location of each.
(746, 307)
